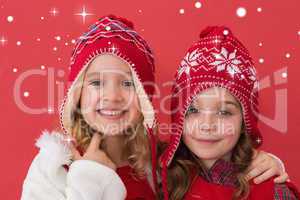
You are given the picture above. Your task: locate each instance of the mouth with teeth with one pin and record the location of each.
(111, 114)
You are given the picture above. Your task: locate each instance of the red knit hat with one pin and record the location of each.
(116, 36)
(218, 59)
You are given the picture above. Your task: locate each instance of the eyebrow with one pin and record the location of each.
(231, 103)
(228, 102)
(91, 74)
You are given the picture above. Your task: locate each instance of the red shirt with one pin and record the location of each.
(219, 182)
(136, 188)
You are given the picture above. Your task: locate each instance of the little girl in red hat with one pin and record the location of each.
(214, 107)
(107, 149)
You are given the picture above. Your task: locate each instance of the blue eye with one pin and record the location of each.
(224, 113)
(191, 110)
(96, 83)
(128, 83)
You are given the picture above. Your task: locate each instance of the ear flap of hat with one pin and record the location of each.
(144, 101)
(71, 102)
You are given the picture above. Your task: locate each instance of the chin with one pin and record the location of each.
(112, 131)
(209, 154)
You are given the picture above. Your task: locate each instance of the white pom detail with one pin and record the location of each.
(53, 149)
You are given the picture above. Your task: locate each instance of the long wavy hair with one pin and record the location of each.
(180, 174)
(136, 142)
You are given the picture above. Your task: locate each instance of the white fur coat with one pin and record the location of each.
(47, 179)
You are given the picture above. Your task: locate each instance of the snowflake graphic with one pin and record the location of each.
(190, 60)
(226, 61)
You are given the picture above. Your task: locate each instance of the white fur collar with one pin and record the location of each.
(53, 148)
(54, 153)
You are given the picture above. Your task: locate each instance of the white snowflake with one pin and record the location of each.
(184, 68)
(190, 60)
(226, 61)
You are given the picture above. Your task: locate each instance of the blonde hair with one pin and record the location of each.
(136, 142)
(180, 175)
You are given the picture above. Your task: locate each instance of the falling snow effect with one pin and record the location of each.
(10, 19)
(261, 60)
(259, 9)
(284, 75)
(3, 41)
(241, 12)
(54, 12)
(198, 4)
(84, 14)
(26, 94)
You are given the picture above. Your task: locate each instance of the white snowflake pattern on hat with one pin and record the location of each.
(227, 61)
(189, 61)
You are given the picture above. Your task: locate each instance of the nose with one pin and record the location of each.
(208, 122)
(111, 92)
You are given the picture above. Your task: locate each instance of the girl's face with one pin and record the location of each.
(109, 102)
(213, 125)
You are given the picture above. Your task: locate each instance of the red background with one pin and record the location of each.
(169, 33)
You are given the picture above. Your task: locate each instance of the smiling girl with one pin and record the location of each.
(107, 119)
(215, 108)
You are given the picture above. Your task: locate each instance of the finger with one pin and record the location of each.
(284, 177)
(264, 176)
(259, 169)
(95, 142)
(267, 164)
(255, 153)
(254, 164)
(257, 160)
(75, 153)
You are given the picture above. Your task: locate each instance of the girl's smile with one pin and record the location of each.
(206, 141)
(111, 114)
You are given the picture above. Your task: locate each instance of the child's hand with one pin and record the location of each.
(93, 153)
(264, 167)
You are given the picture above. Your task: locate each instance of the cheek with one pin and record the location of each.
(196, 148)
(134, 107)
(190, 125)
(229, 141)
(188, 142)
(88, 99)
(136, 103)
(230, 127)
